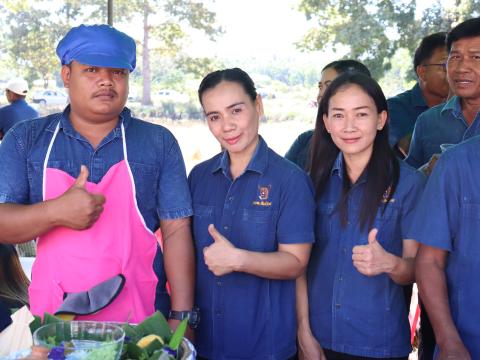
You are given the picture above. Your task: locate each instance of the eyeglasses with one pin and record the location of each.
(443, 65)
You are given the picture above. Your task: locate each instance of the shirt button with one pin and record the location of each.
(340, 278)
(344, 250)
(219, 283)
(230, 198)
(225, 227)
(337, 306)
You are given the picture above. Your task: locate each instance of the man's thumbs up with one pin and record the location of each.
(82, 177)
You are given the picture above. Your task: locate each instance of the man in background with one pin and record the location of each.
(431, 89)
(18, 110)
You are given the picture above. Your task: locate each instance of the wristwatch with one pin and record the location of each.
(193, 316)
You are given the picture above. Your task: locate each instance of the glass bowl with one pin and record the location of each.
(78, 340)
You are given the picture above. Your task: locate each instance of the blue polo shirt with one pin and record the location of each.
(299, 152)
(448, 218)
(153, 154)
(15, 112)
(271, 203)
(349, 312)
(442, 124)
(403, 111)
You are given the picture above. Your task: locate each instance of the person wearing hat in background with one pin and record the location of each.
(93, 183)
(18, 109)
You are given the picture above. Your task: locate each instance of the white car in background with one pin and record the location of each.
(50, 97)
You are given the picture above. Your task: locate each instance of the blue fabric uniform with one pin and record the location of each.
(403, 111)
(442, 124)
(153, 153)
(448, 218)
(15, 112)
(245, 316)
(299, 152)
(350, 312)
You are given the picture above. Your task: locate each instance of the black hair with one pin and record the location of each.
(427, 47)
(382, 170)
(468, 28)
(341, 66)
(13, 281)
(234, 75)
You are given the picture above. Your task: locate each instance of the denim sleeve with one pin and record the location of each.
(415, 153)
(14, 185)
(297, 211)
(417, 183)
(395, 111)
(436, 216)
(173, 197)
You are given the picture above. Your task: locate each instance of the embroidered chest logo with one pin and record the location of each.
(263, 194)
(386, 194)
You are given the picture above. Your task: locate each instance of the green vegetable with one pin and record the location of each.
(177, 337)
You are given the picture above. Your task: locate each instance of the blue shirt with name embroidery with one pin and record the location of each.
(245, 316)
(350, 312)
(442, 124)
(448, 218)
(153, 155)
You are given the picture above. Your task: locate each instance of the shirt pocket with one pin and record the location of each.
(323, 223)
(258, 230)
(469, 230)
(203, 215)
(389, 231)
(146, 182)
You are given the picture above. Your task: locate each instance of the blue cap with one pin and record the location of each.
(98, 45)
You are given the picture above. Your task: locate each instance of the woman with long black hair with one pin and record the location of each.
(350, 302)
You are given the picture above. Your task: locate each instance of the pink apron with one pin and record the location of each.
(118, 243)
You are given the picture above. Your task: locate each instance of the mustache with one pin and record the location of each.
(105, 92)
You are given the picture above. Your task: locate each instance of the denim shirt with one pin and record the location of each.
(403, 111)
(299, 152)
(153, 154)
(15, 112)
(448, 218)
(442, 124)
(245, 316)
(350, 312)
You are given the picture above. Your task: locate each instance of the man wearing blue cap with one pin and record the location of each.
(92, 184)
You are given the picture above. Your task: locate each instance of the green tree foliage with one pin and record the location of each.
(372, 30)
(31, 30)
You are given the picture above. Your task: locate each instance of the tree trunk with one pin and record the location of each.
(146, 98)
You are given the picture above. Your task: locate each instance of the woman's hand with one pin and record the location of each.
(308, 346)
(372, 259)
(221, 257)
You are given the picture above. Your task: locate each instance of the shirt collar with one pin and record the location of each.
(258, 163)
(339, 169)
(453, 106)
(417, 97)
(67, 128)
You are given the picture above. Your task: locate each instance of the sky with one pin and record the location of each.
(254, 28)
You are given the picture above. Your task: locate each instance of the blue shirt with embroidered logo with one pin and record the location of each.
(349, 312)
(442, 124)
(245, 316)
(15, 112)
(403, 111)
(448, 218)
(153, 154)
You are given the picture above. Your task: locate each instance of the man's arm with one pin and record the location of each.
(179, 260)
(76, 209)
(430, 275)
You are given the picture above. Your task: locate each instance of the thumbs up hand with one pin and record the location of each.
(221, 255)
(371, 259)
(77, 208)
